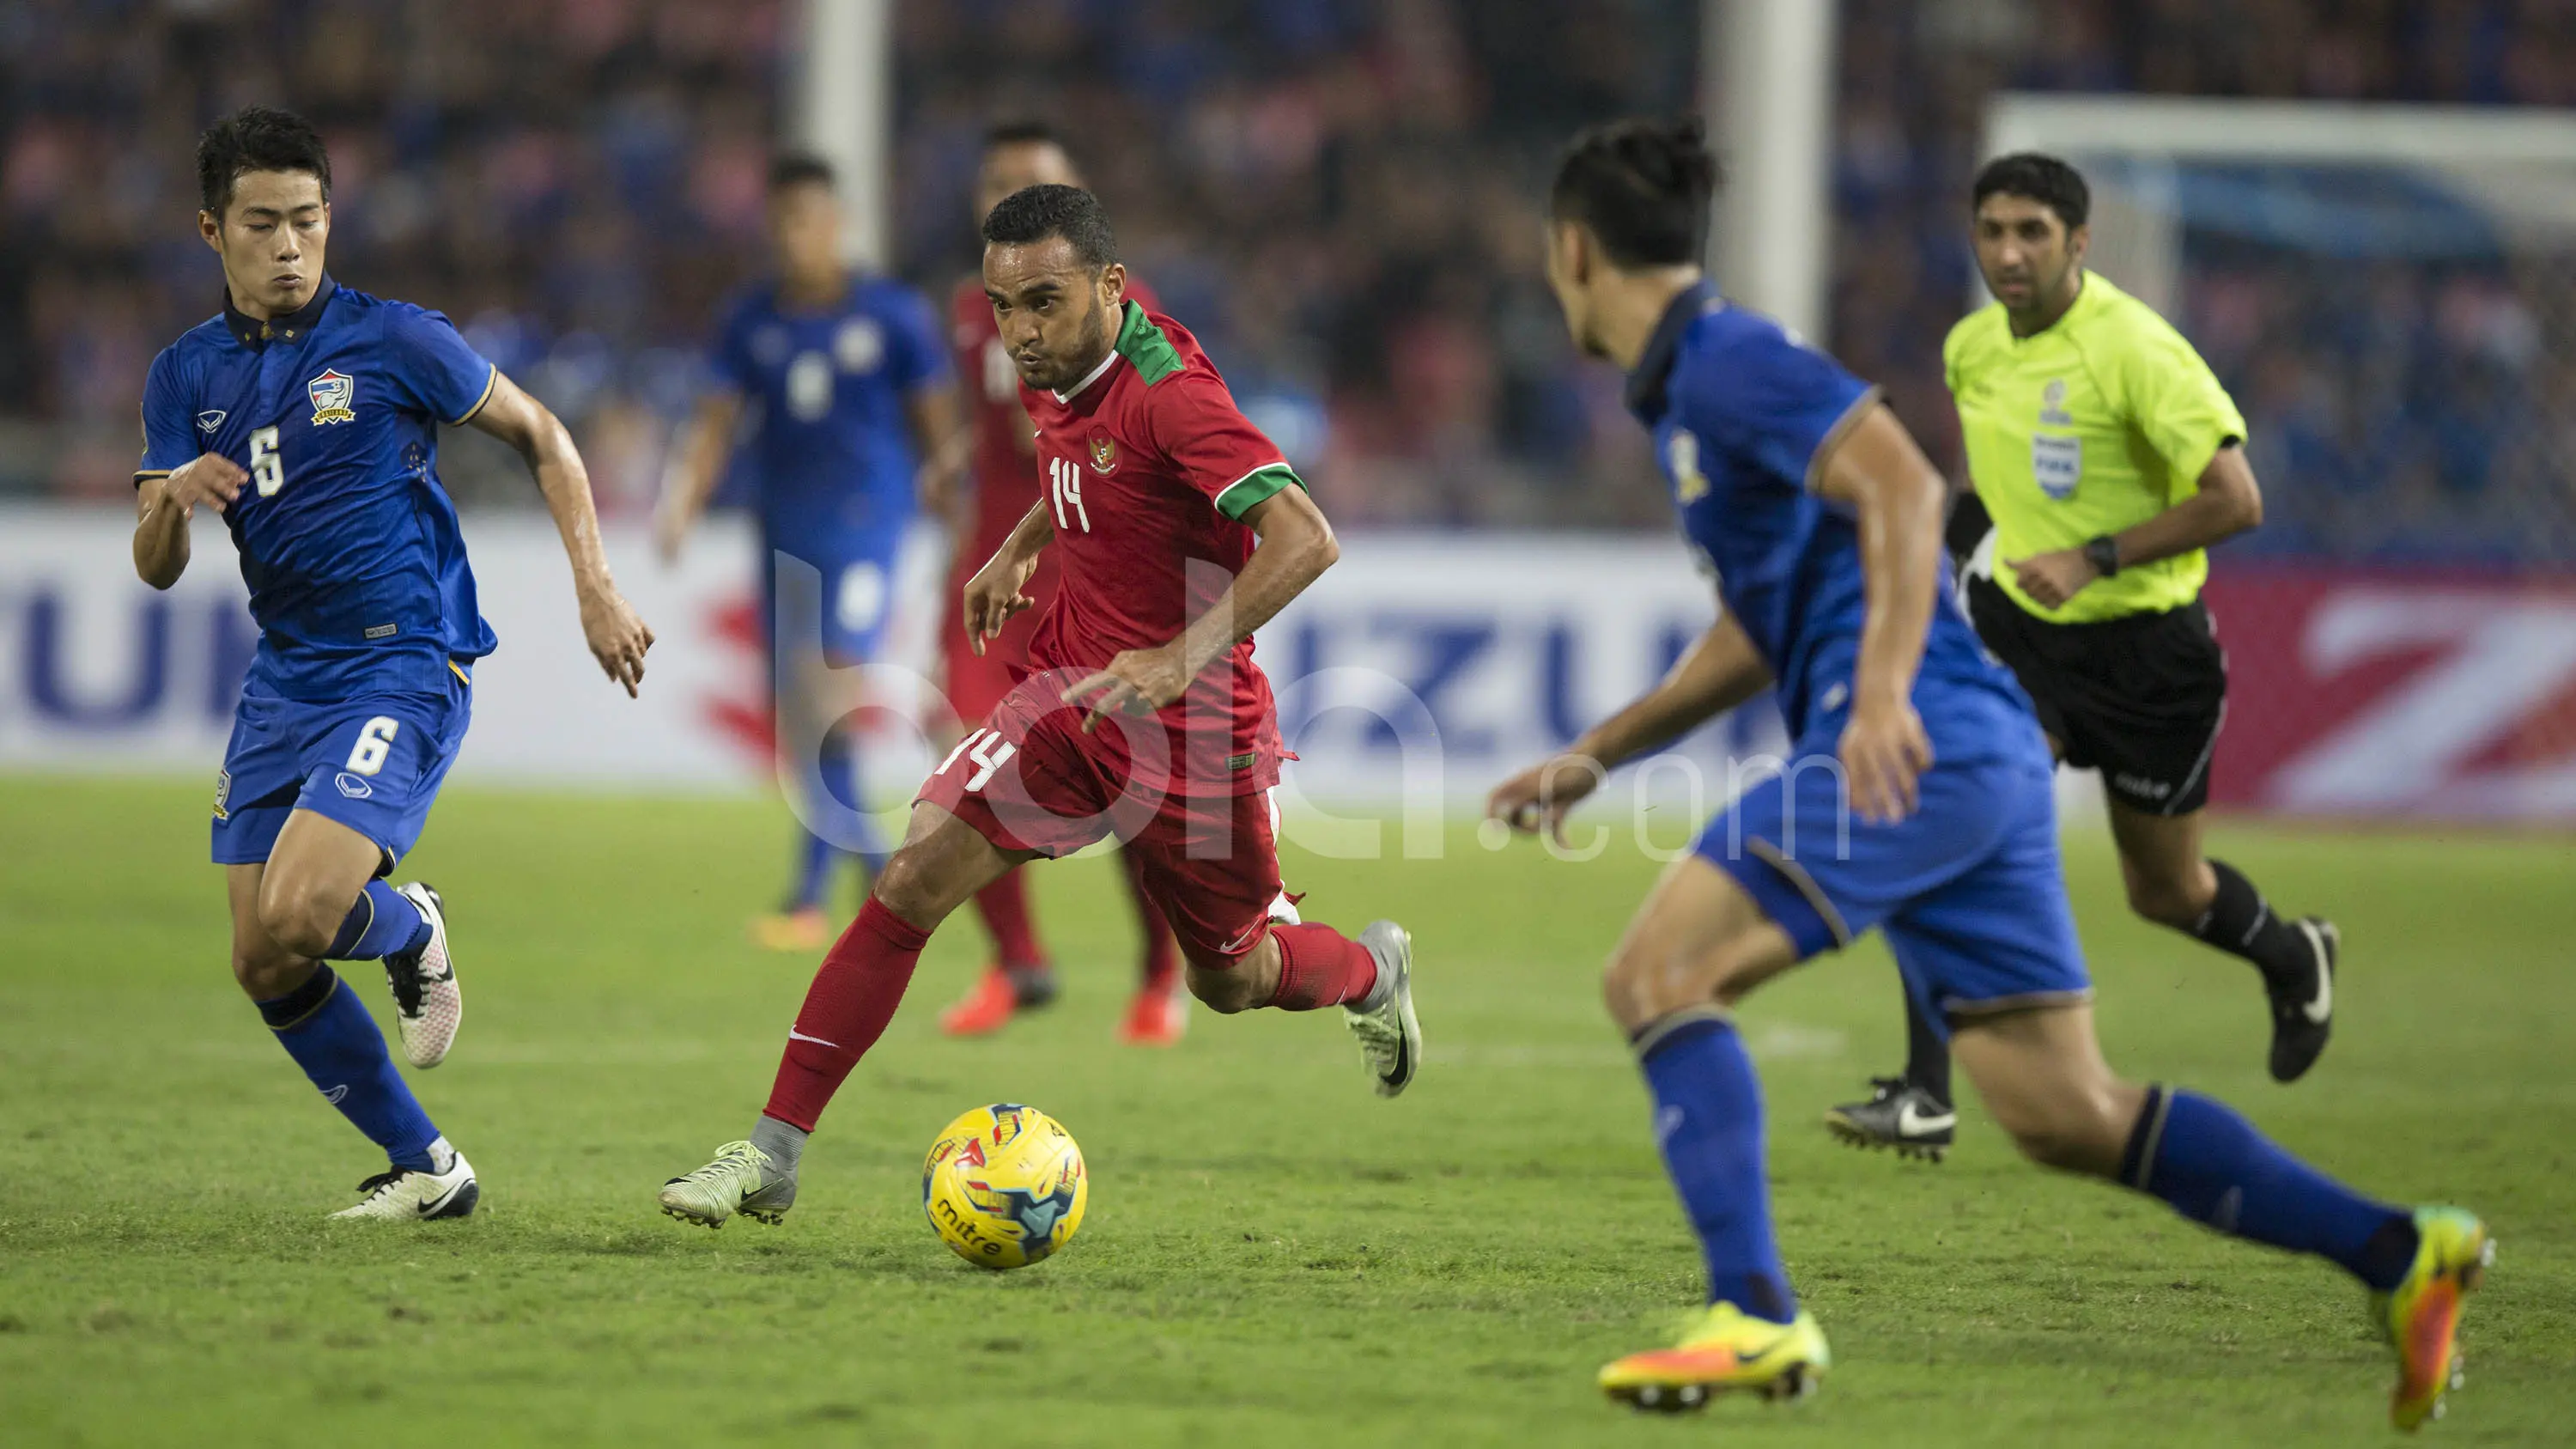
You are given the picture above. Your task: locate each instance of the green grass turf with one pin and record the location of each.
(1272, 1255)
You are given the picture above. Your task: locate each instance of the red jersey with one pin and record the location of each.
(1148, 468)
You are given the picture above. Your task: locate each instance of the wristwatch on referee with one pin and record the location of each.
(2102, 551)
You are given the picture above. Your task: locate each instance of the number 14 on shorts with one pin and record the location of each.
(986, 750)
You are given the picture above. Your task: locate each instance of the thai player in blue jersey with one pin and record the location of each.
(1916, 799)
(307, 415)
(837, 386)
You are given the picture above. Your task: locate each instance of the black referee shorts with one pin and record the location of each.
(2139, 699)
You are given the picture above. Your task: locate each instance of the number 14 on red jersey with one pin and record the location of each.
(1064, 479)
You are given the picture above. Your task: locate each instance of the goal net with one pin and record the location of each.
(2388, 291)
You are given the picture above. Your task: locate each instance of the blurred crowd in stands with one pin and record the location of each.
(1340, 196)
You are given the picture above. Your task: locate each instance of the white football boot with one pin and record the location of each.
(741, 1180)
(406, 1194)
(427, 1005)
(1389, 1036)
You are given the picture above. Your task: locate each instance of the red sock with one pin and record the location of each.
(846, 1009)
(1004, 905)
(1319, 966)
(1162, 956)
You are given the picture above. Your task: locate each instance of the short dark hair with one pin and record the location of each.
(799, 168)
(2044, 179)
(257, 138)
(1642, 186)
(1034, 213)
(1024, 131)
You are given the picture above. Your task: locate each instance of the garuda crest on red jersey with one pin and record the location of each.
(1104, 454)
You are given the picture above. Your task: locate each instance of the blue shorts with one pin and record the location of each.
(849, 597)
(373, 764)
(1968, 888)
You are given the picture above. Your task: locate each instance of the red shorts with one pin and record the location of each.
(1034, 782)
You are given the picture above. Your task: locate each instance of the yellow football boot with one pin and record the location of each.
(2423, 1314)
(1722, 1349)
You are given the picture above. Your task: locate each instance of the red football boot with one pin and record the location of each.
(998, 995)
(1156, 1017)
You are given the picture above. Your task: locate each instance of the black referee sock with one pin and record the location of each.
(2240, 922)
(1927, 1056)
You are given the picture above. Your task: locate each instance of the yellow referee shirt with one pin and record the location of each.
(2104, 420)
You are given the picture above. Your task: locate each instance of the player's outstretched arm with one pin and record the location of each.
(1875, 469)
(1719, 671)
(695, 466)
(1000, 588)
(618, 639)
(1297, 545)
(164, 504)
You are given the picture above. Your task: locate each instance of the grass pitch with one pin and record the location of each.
(1272, 1255)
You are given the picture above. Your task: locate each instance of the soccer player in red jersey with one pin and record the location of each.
(1004, 470)
(1179, 529)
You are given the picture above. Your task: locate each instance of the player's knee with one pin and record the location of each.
(1635, 991)
(1222, 990)
(2076, 1133)
(907, 888)
(265, 971)
(300, 915)
(1641, 985)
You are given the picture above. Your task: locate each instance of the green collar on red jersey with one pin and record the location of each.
(1145, 347)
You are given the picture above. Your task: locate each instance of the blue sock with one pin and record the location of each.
(380, 924)
(336, 1042)
(842, 776)
(1708, 1120)
(2214, 1168)
(814, 856)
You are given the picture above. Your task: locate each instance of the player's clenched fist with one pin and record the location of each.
(998, 590)
(618, 638)
(1884, 754)
(208, 478)
(1538, 798)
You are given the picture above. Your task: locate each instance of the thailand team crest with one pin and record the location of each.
(1104, 454)
(331, 394)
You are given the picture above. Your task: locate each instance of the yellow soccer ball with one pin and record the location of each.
(1004, 1185)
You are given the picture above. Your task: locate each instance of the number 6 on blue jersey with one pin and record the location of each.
(374, 743)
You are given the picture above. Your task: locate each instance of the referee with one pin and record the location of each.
(2104, 457)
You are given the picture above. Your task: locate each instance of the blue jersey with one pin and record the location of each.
(831, 456)
(1742, 416)
(348, 542)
